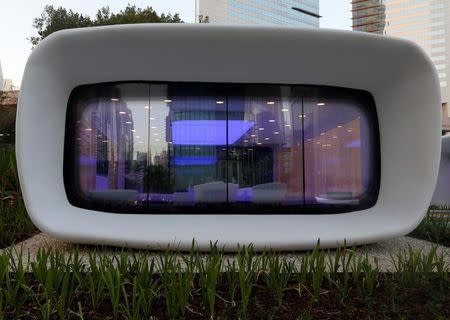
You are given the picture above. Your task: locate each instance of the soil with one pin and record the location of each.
(389, 301)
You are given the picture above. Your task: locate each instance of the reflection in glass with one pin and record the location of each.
(224, 148)
(110, 162)
(264, 163)
(338, 151)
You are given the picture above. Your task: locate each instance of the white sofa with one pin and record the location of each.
(215, 192)
(273, 192)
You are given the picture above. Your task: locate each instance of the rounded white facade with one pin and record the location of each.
(441, 196)
(397, 74)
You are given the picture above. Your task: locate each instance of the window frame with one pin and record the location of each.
(308, 91)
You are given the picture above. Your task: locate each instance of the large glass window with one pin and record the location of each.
(221, 148)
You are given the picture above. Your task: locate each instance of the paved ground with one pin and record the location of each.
(381, 251)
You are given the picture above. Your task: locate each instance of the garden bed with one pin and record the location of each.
(168, 285)
(435, 227)
(15, 225)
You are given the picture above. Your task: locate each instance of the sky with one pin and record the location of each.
(16, 22)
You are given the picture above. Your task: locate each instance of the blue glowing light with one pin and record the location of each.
(354, 144)
(193, 160)
(209, 132)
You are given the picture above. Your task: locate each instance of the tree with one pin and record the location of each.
(203, 19)
(52, 20)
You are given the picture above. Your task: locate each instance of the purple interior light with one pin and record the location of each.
(193, 160)
(101, 182)
(87, 161)
(354, 144)
(209, 132)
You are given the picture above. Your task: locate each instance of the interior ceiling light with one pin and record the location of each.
(209, 132)
(193, 160)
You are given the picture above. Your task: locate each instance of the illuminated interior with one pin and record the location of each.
(221, 148)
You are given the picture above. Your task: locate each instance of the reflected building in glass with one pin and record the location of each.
(300, 13)
(426, 22)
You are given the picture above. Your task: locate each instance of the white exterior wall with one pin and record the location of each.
(403, 83)
(441, 194)
(426, 22)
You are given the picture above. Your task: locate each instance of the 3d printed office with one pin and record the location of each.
(148, 135)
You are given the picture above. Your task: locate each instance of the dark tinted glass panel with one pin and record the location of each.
(221, 148)
(265, 162)
(109, 143)
(339, 153)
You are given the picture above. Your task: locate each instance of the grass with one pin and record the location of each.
(167, 285)
(15, 225)
(435, 227)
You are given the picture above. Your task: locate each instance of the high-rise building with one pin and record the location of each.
(426, 22)
(302, 13)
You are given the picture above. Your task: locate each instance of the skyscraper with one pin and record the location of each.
(303, 13)
(426, 22)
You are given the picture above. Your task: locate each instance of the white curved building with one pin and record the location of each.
(441, 194)
(235, 134)
(426, 22)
